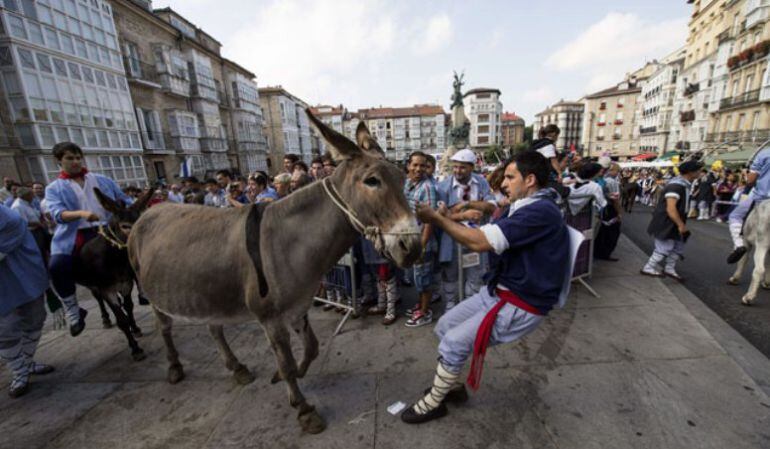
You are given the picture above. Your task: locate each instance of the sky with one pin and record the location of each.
(369, 53)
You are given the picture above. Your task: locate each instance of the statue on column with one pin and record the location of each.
(460, 125)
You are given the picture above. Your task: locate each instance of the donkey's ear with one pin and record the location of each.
(107, 203)
(366, 142)
(341, 147)
(141, 203)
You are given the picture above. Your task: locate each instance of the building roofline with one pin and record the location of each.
(479, 90)
(196, 27)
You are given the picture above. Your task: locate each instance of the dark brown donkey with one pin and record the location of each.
(264, 262)
(102, 266)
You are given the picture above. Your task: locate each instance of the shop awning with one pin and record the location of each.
(732, 157)
(644, 157)
(668, 155)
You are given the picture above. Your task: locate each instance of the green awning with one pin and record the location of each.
(668, 155)
(732, 157)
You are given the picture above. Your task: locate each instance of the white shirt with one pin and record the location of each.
(88, 201)
(175, 197)
(547, 151)
(27, 212)
(459, 189)
(581, 195)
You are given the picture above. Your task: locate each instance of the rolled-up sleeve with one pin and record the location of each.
(54, 204)
(495, 237)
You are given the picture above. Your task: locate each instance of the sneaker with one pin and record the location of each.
(737, 254)
(419, 319)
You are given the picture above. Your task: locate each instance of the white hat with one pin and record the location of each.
(605, 161)
(465, 156)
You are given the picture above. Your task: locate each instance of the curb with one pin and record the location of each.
(753, 362)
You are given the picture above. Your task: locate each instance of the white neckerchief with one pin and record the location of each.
(87, 199)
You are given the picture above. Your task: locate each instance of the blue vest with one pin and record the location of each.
(60, 197)
(23, 275)
(447, 246)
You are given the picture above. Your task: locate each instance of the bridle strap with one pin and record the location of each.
(111, 238)
(372, 233)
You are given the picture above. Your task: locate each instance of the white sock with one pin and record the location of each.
(655, 260)
(735, 233)
(391, 294)
(443, 382)
(671, 263)
(72, 309)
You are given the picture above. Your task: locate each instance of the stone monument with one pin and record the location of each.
(459, 125)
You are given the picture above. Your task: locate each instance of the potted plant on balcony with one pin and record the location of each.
(732, 62)
(762, 48)
(746, 55)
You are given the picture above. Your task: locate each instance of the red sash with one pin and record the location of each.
(485, 332)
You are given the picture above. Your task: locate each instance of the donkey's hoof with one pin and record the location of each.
(747, 301)
(276, 378)
(243, 376)
(138, 355)
(175, 374)
(107, 324)
(733, 281)
(137, 332)
(765, 285)
(311, 421)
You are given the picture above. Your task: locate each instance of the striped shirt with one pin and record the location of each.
(423, 191)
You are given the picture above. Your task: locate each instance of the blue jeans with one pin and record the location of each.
(423, 273)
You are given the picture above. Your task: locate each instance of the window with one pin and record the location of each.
(483, 118)
(80, 46)
(44, 63)
(35, 33)
(6, 58)
(16, 25)
(755, 121)
(60, 67)
(88, 75)
(74, 70)
(67, 45)
(44, 14)
(25, 56)
(483, 129)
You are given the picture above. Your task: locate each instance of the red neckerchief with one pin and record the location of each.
(64, 175)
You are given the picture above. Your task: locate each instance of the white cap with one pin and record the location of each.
(605, 161)
(465, 156)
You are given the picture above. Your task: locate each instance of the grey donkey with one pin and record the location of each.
(264, 262)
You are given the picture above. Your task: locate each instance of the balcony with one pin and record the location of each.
(682, 145)
(178, 84)
(618, 122)
(601, 123)
(600, 138)
(213, 144)
(616, 137)
(140, 72)
(756, 136)
(603, 106)
(691, 88)
(687, 116)
(647, 130)
(743, 99)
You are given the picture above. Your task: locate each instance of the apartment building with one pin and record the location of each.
(568, 116)
(511, 130)
(484, 111)
(656, 105)
(609, 123)
(286, 126)
(402, 130)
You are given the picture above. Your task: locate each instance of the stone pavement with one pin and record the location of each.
(631, 369)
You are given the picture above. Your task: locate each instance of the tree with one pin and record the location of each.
(528, 135)
(493, 154)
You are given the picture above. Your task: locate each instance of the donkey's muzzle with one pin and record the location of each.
(402, 243)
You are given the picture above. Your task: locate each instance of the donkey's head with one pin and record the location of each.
(373, 188)
(123, 216)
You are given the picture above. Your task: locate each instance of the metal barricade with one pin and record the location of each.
(341, 281)
(585, 221)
